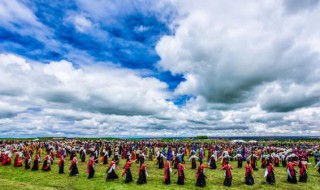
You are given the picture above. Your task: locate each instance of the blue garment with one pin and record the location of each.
(169, 157)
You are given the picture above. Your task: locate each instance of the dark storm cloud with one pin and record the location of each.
(294, 6)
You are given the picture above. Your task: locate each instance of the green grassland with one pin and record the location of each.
(19, 178)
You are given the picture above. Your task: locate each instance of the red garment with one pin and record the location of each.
(90, 163)
(166, 169)
(228, 169)
(133, 156)
(110, 165)
(180, 169)
(74, 160)
(127, 166)
(27, 159)
(6, 160)
(17, 161)
(61, 161)
(270, 168)
(143, 167)
(276, 160)
(263, 160)
(290, 166)
(303, 168)
(249, 169)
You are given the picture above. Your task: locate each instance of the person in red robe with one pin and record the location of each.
(228, 175)
(47, 163)
(181, 176)
(142, 174)
(111, 174)
(176, 162)
(127, 171)
(74, 167)
(7, 158)
(105, 156)
(1, 156)
(36, 163)
(17, 161)
(201, 178)
(276, 160)
(291, 172)
(27, 161)
(303, 171)
(61, 165)
(248, 174)
(269, 173)
(167, 171)
(90, 167)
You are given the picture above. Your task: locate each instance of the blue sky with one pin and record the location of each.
(129, 68)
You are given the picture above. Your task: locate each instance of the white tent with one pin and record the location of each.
(252, 141)
(238, 141)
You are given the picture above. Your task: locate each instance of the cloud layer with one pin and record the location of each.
(165, 68)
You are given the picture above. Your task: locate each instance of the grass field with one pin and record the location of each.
(19, 178)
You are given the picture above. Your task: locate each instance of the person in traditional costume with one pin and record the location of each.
(201, 178)
(128, 155)
(27, 161)
(142, 157)
(303, 171)
(173, 156)
(138, 155)
(318, 165)
(169, 154)
(276, 159)
(18, 160)
(124, 153)
(96, 155)
(150, 154)
(239, 159)
(176, 162)
(181, 176)
(269, 173)
(36, 163)
(193, 160)
(74, 167)
(264, 160)
(167, 171)
(1, 155)
(133, 154)
(82, 154)
(47, 163)
(7, 158)
(248, 175)
(228, 175)
(201, 155)
(160, 160)
(284, 160)
(111, 174)
(142, 174)
(224, 157)
(116, 157)
(90, 167)
(253, 160)
(291, 172)
(73, 153)
(213, 161)
(61, 165)
(127, 171)
(105, 157)
(180, 155)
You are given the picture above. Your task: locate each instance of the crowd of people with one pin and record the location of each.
(169, 156)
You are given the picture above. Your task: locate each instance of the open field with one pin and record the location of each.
(19, 178)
